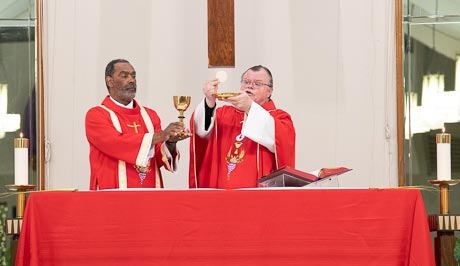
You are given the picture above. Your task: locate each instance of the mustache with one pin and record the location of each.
(131, 86)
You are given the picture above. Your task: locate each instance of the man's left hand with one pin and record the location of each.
(242, 102)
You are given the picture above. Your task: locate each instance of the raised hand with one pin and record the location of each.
(210, 90)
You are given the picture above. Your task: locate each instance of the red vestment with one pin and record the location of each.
(114, 153)
(224, 162)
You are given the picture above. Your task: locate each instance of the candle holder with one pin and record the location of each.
(444, 193)
(444, 225)
(21, 197)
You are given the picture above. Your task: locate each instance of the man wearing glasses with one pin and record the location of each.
(235, 145)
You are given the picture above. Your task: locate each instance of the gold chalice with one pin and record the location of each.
(181, 103)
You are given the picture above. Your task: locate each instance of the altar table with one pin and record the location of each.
(226, 227)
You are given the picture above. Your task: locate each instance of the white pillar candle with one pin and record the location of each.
(21, 161)
(443, 156)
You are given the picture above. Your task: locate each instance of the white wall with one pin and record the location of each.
(332, 62)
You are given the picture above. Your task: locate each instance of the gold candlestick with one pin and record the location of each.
(444, 241)
(444, 193)
(21, 197)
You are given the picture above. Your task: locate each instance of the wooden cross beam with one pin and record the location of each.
(221, 33)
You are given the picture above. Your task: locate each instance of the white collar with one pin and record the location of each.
(128, 106)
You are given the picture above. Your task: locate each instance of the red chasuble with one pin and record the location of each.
(226, 161)
(119, 150)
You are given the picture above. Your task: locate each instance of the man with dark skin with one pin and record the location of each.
(127, 144)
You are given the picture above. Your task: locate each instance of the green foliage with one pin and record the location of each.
(457, 250)
(4, 252)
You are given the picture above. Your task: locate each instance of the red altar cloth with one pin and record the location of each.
(233, 227)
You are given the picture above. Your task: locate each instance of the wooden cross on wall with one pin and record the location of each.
(221, 33)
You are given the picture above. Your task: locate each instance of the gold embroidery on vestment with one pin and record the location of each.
(134, 125)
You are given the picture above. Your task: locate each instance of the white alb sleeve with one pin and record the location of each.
(259, 126)
(174, 160)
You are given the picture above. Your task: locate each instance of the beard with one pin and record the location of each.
(130, 87)
(124, 94)
(130, 90)
(129, 94)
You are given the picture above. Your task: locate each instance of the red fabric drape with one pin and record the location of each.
(226, 227)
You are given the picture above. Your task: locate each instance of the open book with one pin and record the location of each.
(327, 172)
(290, 177)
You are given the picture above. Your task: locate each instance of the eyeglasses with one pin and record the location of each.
(257, 84)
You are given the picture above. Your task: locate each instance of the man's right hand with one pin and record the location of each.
(174, 132)
(210, 90)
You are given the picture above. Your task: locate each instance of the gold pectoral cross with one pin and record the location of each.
(134, 125)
